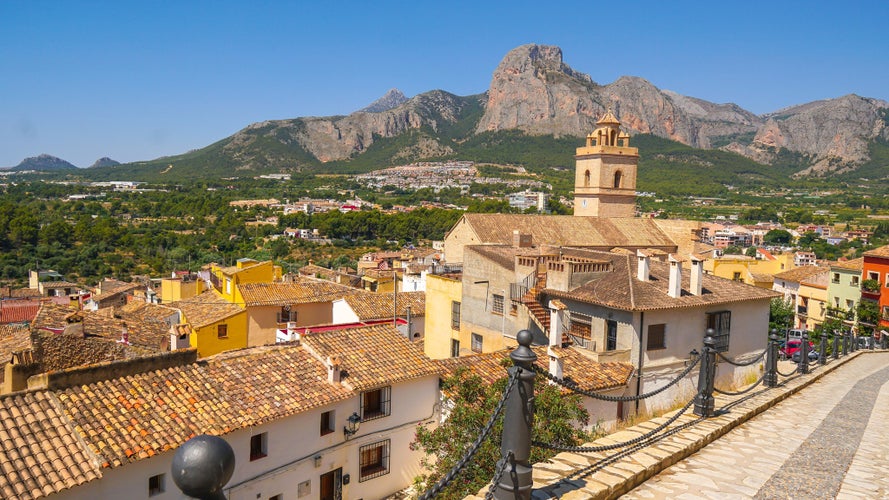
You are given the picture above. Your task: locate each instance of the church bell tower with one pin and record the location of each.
(605, 172)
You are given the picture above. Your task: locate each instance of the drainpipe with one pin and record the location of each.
(641, 357)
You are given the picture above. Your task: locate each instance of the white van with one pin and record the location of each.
(795, 333)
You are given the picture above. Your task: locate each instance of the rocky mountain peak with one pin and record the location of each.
(43, 162)
(390, 100)
(104, 162)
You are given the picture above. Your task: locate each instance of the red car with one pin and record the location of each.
(792, 346)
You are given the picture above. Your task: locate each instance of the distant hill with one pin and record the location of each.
(44, 163)
(391, 99)
(542, 108)
(104, 162)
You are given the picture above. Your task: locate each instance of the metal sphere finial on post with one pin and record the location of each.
(202, 466)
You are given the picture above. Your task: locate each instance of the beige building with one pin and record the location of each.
(605, 172)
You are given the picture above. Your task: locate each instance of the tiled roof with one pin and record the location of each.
(143, 311)
(620, 289)
(369, 305)
(303, 291)
(18, 311)
(273, 382)
(135, 417)
(60, 351)
(799, 274)
(40, 451)
(149, 334)
(854, 264)
(59, 284)
(762, 277)
(568, 230)
(500, 255)
(12, 338)
(588, 374)
(51, 315)
(19, 293)
(206, 309)
(373, 355)
(878, 252)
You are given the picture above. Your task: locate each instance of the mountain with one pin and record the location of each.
(104, 162)
(391, 99)
(535, 104)
(43, 162)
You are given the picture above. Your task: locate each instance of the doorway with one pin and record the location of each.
(332, 485)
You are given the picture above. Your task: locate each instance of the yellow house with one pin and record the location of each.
(443, 337)
(173, 289)
(215, 324)
(750, 270)
(813, 300)
(380, 280)
(227, 279)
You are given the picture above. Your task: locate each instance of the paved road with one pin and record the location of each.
(831, 440)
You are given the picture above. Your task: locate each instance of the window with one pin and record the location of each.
(850, 304)
(155, 485)
(610, 335)
(455, 315)
(873, 275)
(327, 422)
(885, 312)
(477, 342)
(259, 446)
(656, 337)
(617, 177)
(279, 496)
(497, 307)
(222, 331)
(286, 315)
(375, 403)
(373, 460)
(228, 285)
(721, 322)
(455, 348)
(736, 276)
(836, 277)
(586, 179)
(854, 280)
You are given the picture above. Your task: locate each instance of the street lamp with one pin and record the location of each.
(352, 425)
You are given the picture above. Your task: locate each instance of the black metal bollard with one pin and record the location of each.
(770, 378)
(822, 354)
(704, 402)
(854, 343)
(836, 345)
(515, 483)
(804, 354)
(845, 344)
(202, 466)
(884, 341)
(872, 342)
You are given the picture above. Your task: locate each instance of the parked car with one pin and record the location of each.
(795, 333)
(813, 355)
(792, 346)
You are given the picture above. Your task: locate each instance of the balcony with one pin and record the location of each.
(870, 287)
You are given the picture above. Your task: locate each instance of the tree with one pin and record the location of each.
(733, 250)
(780, 314)
(777, 237)
(473, 403)
(751, 252)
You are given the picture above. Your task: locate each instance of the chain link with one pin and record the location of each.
(745, 391)
(636, 440)
(452, 474)
(745, 363)
(786, 374)
(573, 386)
(501, 466)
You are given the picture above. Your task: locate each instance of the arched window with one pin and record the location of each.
(617, 179)
(586, 179)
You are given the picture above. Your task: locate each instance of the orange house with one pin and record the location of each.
(876, 267)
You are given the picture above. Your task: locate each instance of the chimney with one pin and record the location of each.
(644, 267)
(333, 370)
(696, 280)
(292, 334)
(674, 288)
(556, 364)
(124, 335)
(521, 240)
(555, 322)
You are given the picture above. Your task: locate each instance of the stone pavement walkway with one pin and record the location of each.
(827, 441)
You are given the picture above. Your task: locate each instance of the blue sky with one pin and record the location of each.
(138, 80)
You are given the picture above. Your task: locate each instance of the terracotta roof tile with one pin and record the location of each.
(206, 309)
(369, 305)
(568, 230)
(878, 252)
(800, 273)
(372, 355)
(18, 311)
(43, 451)
(303, 291)
(854, 264)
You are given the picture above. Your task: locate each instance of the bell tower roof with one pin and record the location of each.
(608, 119)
